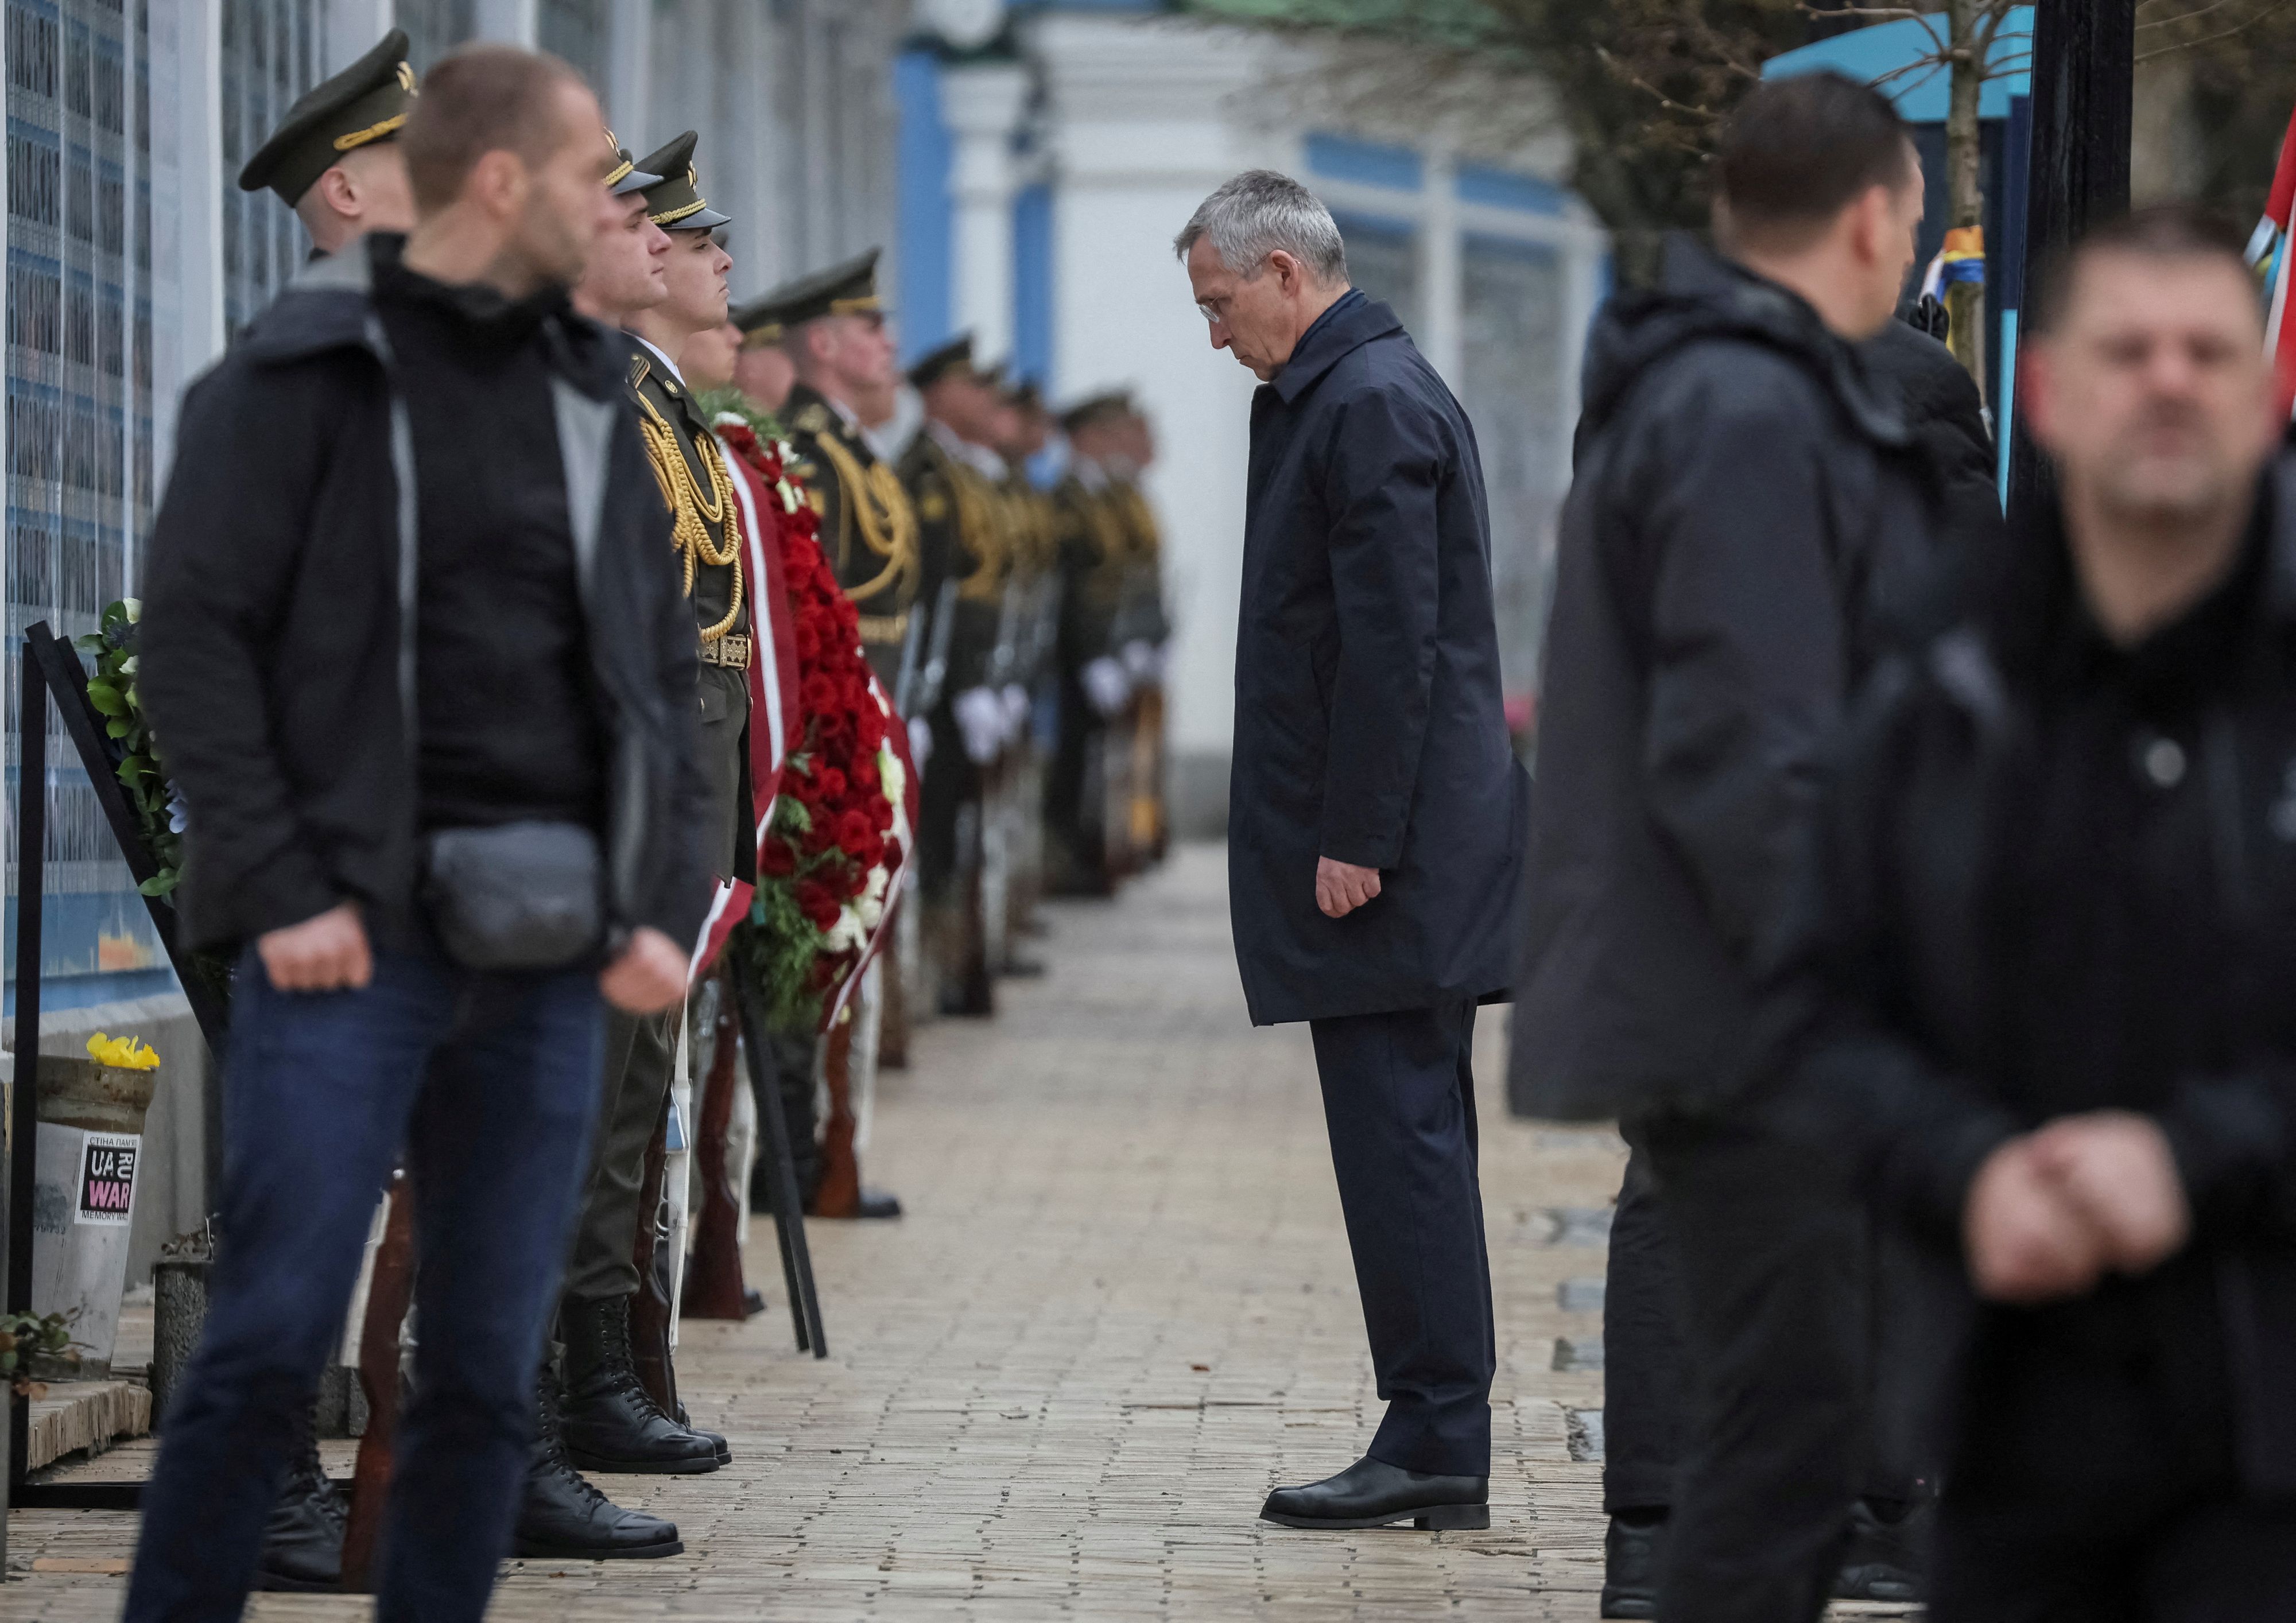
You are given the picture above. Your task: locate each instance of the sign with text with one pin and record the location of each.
(106, 1182)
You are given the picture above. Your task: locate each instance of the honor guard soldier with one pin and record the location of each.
(334, 159)
(830, 326)
(761, 368)
(1140, 632)
(956, 482)
(609, 1420)
(1088, 784)
(561, 1516)
(833, 332)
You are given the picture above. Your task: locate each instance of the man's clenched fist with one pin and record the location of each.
(325, 954)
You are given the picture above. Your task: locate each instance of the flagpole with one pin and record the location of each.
(2084, 66)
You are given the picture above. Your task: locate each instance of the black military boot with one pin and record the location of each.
(1889, 1555)
(611, 1422)
(564, 1518)
(1634, 1559)
(303, 1541)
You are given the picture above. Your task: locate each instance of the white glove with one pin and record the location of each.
(1139, 660)
(919, 742)
(980, 717)
(1106, 686)
(1016, 709)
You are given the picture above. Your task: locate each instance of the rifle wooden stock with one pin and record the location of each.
(838, 1193)
(387, 1295)
(714, 1286)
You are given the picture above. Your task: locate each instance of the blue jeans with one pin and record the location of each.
(490, 1083)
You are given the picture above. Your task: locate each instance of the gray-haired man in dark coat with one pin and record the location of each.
(1376, 813)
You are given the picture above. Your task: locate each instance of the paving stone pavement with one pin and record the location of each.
(1119, 1308)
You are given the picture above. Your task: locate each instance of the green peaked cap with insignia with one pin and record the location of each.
(953, 358)
(365, 103)
(626, 177)
(849, 289)
(1097, 409)
(675, 203)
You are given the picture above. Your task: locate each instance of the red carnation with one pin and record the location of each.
(777, 861)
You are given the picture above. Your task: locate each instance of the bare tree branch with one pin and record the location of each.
(1627, 76)
(2171, 22)
(2270, 6)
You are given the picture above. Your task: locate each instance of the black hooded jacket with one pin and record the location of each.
(2053, 875)
(270, 648)
(1749, 525)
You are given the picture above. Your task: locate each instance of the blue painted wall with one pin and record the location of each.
(926, 220)
(1032, 283)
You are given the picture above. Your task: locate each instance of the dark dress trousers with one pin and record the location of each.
(1369, 729)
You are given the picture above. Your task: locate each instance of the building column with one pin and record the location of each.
(511, 21)
(186, 206)
(982, 106)
(1582, 250)
(1441, 265)
(353, 29)
(629, 68)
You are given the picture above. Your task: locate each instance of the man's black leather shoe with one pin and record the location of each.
(1887, 1556)
(303, 1541)
(611, 1422)
(1634, 1556)
(1372, 1493)
(564, 1518)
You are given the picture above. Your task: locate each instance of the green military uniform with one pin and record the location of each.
(963, 520)
(868, 530)
(1094, 550)
(698, 489)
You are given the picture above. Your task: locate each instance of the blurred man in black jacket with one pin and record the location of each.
(1748, 527)
(409, 595)
(2038, 990)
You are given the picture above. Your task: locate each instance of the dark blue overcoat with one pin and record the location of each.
(1369, 723)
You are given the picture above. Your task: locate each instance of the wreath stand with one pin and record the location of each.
(51, 669)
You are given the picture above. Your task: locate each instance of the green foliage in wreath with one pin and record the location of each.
(160, 813)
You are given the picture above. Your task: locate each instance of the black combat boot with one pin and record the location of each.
(564, 1518)
(303, 1541)
(611, 1422)
(1889, 1555)
(1634, 1559)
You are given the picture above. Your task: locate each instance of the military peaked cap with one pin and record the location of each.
(1098, 408)
(952, 359)
(367, 102)
(760, 319)
(849, 289)
(675, 203)
(626, 177)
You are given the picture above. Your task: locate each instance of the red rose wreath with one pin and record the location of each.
(840, 830)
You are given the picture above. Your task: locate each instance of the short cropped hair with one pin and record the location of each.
(481, 99)
(2158, 231)
(1260, 211)
(1798, 151)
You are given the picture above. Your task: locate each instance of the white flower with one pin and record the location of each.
(894, 776)
(127, 665)
(849, 934)
(134, 607)
(729, 419)
(179, 812)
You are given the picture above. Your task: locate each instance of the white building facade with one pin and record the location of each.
(1043, 181)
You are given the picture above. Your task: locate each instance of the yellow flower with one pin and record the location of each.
(123, 1051)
